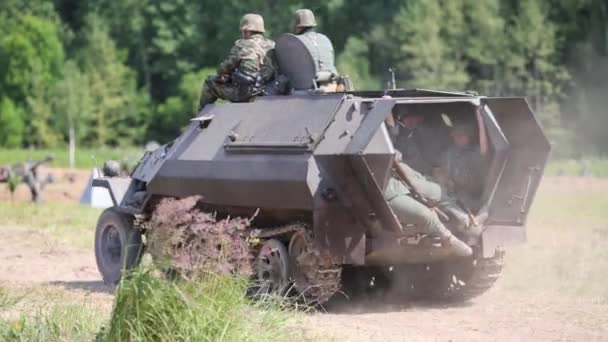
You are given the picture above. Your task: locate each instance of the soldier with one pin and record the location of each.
(323, 51)
(411, 211)
(461, 175)
(419, 142)
(247, 69)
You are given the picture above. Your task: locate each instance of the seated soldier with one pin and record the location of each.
(461, 175)
(247, 69)
(419, 141)
(411, 211)
(321, 47)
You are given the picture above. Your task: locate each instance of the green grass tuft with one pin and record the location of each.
(148, 308)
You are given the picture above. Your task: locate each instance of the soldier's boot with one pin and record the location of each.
(456, 246)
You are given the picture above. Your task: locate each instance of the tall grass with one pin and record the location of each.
(148, 308)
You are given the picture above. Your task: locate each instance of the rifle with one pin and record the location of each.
(404, 177)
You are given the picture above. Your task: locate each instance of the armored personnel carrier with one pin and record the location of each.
(313, 167)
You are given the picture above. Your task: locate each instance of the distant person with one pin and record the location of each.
(249, 66)
(320, 47)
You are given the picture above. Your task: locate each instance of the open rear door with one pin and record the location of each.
(524, 162)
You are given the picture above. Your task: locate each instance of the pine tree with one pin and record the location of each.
(423, 53)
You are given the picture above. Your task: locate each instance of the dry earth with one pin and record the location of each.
(30, 259)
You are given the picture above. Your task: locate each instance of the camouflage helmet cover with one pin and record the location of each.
(252, 22)
(305, 18)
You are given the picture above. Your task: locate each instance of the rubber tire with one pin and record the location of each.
(130, 241)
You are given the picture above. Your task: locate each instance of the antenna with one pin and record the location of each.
(393, 82)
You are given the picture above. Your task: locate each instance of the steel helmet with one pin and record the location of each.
(252, 22)
(305, 18)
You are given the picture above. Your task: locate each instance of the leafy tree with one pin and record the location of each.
(11, 124)
(73, 105)
(118, 110)
(31, 62)
(354, 63)
(174, 113)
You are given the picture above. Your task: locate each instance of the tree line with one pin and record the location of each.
(122, 72)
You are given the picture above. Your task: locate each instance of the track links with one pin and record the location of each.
(484, 273)
(316, 277)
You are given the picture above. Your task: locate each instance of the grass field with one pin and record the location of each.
(562, 268)
(598, 167)
(84, 158)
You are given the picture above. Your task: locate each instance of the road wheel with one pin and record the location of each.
(272, 268)
(118, 245)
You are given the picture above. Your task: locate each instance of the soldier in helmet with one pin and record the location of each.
(461, 174)
(323, 53)
(249, 66)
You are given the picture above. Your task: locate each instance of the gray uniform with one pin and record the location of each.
(321, 49)
(462, 173)
(409, 210)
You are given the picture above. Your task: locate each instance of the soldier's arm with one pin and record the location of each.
(232, 62)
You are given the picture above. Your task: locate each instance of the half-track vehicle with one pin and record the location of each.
(311, 169)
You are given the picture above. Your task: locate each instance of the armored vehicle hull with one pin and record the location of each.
(312, 170)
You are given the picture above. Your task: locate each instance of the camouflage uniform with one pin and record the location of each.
(252, 57)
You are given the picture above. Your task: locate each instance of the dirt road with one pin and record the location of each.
(29, 258)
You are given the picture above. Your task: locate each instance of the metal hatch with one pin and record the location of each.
(526, 157)
(285, 123)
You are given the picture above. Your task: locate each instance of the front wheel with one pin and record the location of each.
(118, 245)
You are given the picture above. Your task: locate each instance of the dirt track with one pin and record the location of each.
(28, 261)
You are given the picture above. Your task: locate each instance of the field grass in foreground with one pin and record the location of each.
(149, 308)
